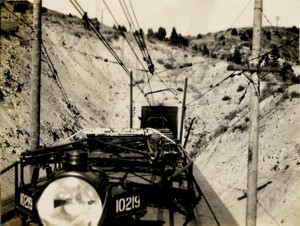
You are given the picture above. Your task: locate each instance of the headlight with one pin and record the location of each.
(69, 201)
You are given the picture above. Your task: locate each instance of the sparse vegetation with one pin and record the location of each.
(234, 32)
(225, 98)
(168, 66)
(240, 88)
(77, 34)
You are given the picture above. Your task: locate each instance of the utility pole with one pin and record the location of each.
(131, 100)
(277, 19)
(254, 69)
(36, 75)
(251, 207)
(183, 111)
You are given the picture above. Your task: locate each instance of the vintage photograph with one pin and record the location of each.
(135, 112)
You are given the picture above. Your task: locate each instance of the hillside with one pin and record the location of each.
(82, 87)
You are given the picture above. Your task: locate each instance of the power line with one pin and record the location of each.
(124, 35)
(107, 45)
(235, 112)
(138, 35)
(213, 87)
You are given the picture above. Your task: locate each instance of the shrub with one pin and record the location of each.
(237, 56)
(242, 127)
(20, 7)
(116, 36)
(293, 29)
(222, 37)
(231, 115)
(44, 10)
(268, 34)
(1, 96)
(140, 81)
(195, 47)
(199, 36)
(220, 130)
(77, 34)
(205, 50)
(295, 95)
(10, 28)
(249, 33)
(225, 98)
(160, 61)
(234, 32)
(244, 37)
(240, 88)
(168, 66)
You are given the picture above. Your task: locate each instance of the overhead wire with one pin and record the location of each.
(277, 30)
(72, 108)
(235, 112)
(138, 35)
(213, 87)
(109, 48)
(124, 35)
(141, 35)
(129, 45)
(141, 44)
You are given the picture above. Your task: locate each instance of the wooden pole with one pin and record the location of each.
(183, 111)
(251, 208)
(131, 100)
(36, 75)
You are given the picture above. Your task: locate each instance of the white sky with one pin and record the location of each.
(189, 17)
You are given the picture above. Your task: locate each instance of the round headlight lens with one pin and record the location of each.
(69, 201)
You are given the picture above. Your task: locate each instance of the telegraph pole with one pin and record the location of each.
(36, 75)
(251, 208)
(183, 111)
(131, 102)
(254, 69)
(277, 19)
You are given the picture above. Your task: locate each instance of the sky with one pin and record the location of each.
(189, 17)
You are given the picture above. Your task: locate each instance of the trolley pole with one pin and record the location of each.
(36, 75)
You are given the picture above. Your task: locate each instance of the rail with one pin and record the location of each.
(219, 211)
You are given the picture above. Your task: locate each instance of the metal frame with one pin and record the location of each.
(148, 161)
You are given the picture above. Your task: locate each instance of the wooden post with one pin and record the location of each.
(183, 111)
(131, 100)
(251, 208)
(36, 75)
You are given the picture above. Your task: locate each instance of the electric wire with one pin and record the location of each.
(238, 17)
(235, 112)
(129, 45)
(213, 87)
(124, 35)
(296, 57)
(138, 36)
(72, 108)
(107, 45)
(141, 35)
